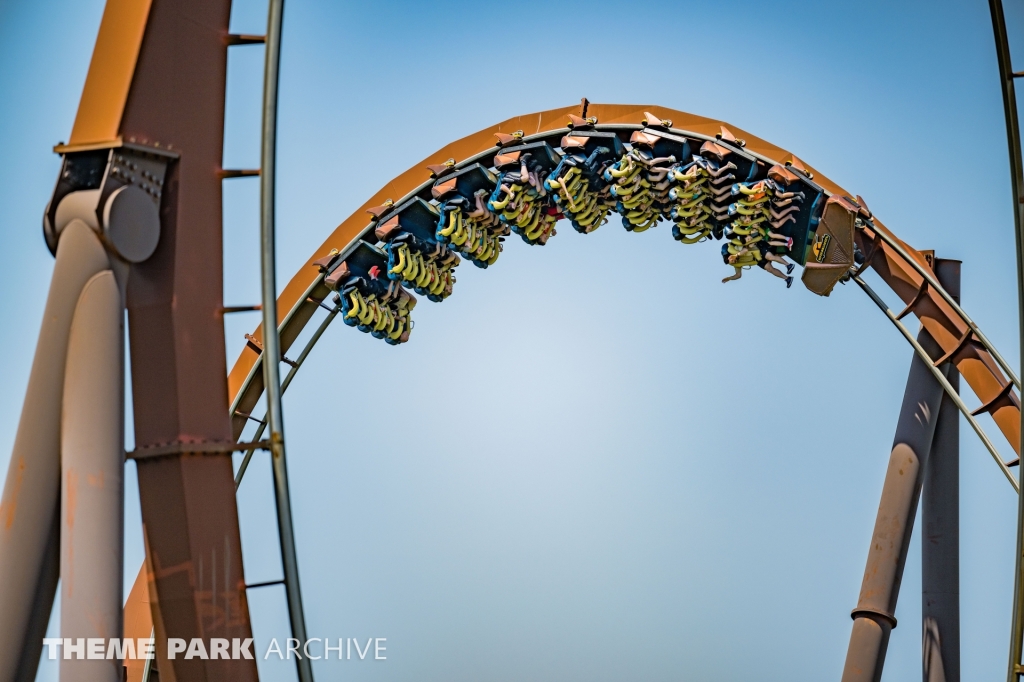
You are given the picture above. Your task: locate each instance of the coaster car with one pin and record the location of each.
(370, 301)
(830, 253)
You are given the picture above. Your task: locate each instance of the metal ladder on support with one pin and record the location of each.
(1007, 77)
(270, 348)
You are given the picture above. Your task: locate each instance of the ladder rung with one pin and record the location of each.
(266, 584)
(245, 39)
(239, 172)
(1018, 74)
(242, 308)
(1013, 462)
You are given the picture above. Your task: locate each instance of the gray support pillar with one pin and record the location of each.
(29, 508)
(874, 618)
(92, 480)
(940, 520)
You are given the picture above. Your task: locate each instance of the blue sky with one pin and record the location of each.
(594, 461)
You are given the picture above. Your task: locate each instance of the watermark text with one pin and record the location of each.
(315, 648)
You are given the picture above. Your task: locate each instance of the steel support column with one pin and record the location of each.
(874, 618)
(92, 480)
(29, 509)
(940, 525)
(157, 78)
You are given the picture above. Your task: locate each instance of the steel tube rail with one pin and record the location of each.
(284, 387)
(940, 377)
(271, 343)
(1006, 77)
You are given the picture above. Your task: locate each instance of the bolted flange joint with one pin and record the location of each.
(116, 190)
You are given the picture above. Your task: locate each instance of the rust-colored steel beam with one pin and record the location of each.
(953, 336)
(157, 78)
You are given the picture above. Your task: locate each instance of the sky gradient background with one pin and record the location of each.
(594, 461)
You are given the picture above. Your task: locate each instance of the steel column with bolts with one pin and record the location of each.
(92, 480)
(874, 618)
(940, 526)
(29, 509)
(157, 78)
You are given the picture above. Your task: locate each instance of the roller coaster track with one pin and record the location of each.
(580, 161)
(135, 221)
(907, 271)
